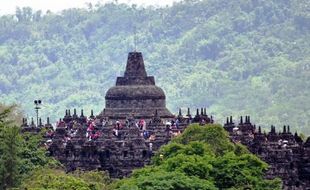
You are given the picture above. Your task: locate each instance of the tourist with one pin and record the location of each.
(75, 132)
(66, 140)
(97, 135)
(152, 138)
(90, 136)
(103, 122)
(144, 125)
(177, 123)
(203, 122)
(172, 123)
(146, 134)
(284, 143)
(91, 127)
(127, 123)
(168, 123)
(50, 133)
(175, 134)
(151, 146)
(115, 132)
(168, 128)
(75, 125)
(61, 124)
(48, 143)
(190, 120)
(118, 125)
(279, 143)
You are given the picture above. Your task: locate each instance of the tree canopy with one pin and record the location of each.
(199, 159)
(20, 153)
(51, 178)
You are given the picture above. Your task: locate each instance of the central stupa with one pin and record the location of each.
(135, 94)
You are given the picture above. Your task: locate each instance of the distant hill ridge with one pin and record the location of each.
(234, 57)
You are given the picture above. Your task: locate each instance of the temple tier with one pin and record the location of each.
(135, 94)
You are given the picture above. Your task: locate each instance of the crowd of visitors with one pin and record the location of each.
(92, 129)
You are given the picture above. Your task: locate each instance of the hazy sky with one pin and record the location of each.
(9, 6)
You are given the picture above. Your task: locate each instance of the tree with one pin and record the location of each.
(206, 134)
(32, 155)
(9, 150)
(10, 115)
(162, 180)
(20, 154)
(201, 158)
(56, 178)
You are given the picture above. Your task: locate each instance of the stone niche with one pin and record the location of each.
(135, 94)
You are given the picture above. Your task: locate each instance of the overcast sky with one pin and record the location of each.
(9, 6)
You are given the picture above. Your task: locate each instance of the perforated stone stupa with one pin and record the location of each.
(135, 94)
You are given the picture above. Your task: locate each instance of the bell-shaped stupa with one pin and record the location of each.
(135, 94)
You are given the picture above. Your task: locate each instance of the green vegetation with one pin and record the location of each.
(201, 158)
(9, 149)
(19, 153)
(235, 57)
(46, 178)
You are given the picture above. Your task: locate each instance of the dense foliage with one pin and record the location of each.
(10, 141)
(47, 178)
(234, 57)
(19, 153)
(201, 158)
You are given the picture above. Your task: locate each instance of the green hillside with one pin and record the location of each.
(234, 57)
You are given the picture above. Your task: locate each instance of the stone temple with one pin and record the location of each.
(118, 142)
(135, 94)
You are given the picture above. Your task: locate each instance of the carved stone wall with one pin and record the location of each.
(287, 155)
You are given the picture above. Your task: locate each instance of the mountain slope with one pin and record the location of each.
(237, 57)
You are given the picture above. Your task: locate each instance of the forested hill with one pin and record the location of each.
(234, 57)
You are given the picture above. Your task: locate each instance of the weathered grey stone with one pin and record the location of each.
(135, 94)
